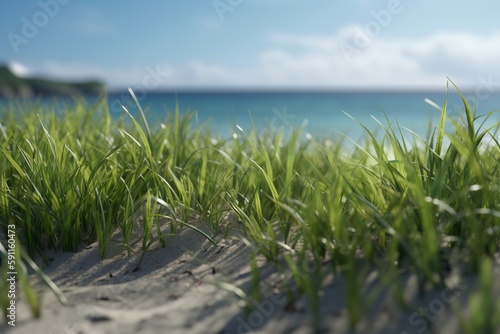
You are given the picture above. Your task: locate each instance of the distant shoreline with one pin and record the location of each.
(13, 86)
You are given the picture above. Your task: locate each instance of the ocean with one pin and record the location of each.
(323, 115)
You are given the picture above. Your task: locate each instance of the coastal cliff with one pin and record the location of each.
(13, 86)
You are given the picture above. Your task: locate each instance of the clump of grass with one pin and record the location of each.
(79, 177)
(484, 307)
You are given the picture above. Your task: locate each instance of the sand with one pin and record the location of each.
(185, 288)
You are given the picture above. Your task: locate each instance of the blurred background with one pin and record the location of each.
(346, 44)
(337, 47)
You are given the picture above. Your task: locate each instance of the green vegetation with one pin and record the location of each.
(77, 178)
(12, 86)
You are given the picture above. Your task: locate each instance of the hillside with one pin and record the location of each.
(12, 86)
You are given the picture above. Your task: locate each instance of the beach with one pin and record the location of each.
(191, 286)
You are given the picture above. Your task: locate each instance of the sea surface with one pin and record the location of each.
(323, 115)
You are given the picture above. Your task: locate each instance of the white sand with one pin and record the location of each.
(173, 291)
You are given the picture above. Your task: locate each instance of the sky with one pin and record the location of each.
(256, 44)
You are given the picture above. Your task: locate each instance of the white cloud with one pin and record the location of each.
(210, 23)
(318, 61)
(18, 69)
(310, 61)
(93, 21)
(424, 62)
(97, 28)
(114, 77)
(267, 1)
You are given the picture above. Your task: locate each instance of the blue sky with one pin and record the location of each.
(344, 44)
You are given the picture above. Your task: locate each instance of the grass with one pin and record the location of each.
(79, 177)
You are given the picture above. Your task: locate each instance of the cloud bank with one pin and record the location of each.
(345, 60)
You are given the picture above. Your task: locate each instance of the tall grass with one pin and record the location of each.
(80, 176)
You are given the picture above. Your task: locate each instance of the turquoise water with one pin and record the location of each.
(322, 113)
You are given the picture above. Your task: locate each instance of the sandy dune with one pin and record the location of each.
(177, 289)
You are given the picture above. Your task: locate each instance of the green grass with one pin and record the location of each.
(76, 178)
